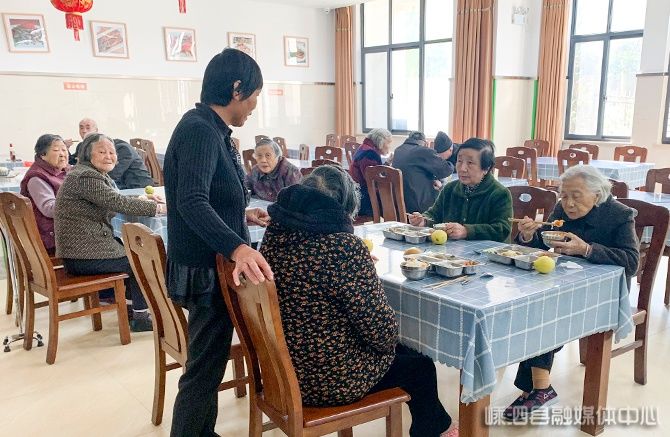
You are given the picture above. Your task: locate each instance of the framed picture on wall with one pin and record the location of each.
(296, 51)
(25, 33)
(109, 39)
(179, 44)
(243, 41)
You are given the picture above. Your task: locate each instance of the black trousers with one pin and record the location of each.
(210, 333)
(524, 375)
(116, 265)
(415, 373)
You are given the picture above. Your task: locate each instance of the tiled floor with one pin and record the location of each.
(98, 387)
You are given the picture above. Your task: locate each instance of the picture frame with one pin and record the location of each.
(26, 33)
(180, 44)
(245, 42)
(296, 51)
(109, 39)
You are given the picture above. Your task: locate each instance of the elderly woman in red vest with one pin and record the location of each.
(42, 182)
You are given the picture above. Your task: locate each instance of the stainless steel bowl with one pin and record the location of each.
(392, 235)
(413, 273)
(447, 269)
(415, 239)
(553, 236)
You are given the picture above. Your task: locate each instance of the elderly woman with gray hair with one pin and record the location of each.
(272, 171)
(85, 205)
(599, 229)
(341, 333)
(370, 153)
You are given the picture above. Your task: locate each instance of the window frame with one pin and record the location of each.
(389, 49)
(606, 37)
(665, 136)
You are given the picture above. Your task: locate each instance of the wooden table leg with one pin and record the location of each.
(471, 418)
(596, 381)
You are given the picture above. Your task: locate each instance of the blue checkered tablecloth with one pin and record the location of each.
(632, 173)
(653, 198)
(492, 323)
(158, 224)
(12, 184)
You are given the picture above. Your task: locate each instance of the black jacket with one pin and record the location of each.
(130, 171)
(420, 166)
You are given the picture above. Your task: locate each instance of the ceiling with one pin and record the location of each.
(320, 4)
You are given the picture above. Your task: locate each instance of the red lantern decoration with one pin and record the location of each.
(73, 10)
(182, 6)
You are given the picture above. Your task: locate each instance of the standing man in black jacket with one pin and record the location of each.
(423, 168)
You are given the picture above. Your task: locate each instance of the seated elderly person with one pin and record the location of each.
(476, 206)
(342, 334)
(42, 182)
(368, 154)
(599, 229)
(272, 171)
(85, 205)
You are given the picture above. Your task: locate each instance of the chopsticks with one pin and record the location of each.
(556, 223)
(445, 283)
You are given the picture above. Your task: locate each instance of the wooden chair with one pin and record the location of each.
(153, 166)
(258, 138)
(16, 214)
(282, 143)
(350, 150)
(347, 139)
(306, 171)
(661, 176)
(274, 389)
(630, 154)
(147, 257)
(510, 167)
(658, 217)
(236, 143)
(332, 140)
(619, 189)
(593, 149)
(303, 152)
(144, 157)
(328, 152)
(319, 162)
(248, 159)
(569, 158)
(531, 201)
(529, 155)
(541, 146)
(385, 188)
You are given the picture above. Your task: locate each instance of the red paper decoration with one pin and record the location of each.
(182, 6)
(73, 10)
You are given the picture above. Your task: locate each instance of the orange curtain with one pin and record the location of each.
(551, 73)
(344, 72)
(474, 70)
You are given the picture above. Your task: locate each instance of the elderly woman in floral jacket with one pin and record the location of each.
(341, 333)
(272, 171)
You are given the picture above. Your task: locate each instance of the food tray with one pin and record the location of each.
(411, 234)
(526, 261)
(449, 265)
(503, 254)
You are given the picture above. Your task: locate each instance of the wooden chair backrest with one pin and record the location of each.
(332, 140)
(658, 176)
(347, 139)
(236, 143)
(248, 159)
(146, 254)
(282, 143)
(570, 157)
(541, 146)
(18, 219)
(593, 149)
(306, 171)
(619, 189)
(254, 310)
(529, 155)
(511, 167)
(657, 216)
(319, 162)
(153, 166)
(135, 142)
(530, 201)
(385, 187)
(258, 138)
(303, 152)
(350, 148)
(630, 154)
(328, 152)
(144, 156)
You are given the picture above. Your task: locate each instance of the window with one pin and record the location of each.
(666, 129)
(406, 64)
(605, 48)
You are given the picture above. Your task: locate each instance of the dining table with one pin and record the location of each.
(489, 324)
(13, 181)
(634, 174)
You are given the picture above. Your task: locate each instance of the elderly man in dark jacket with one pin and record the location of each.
(422, 168)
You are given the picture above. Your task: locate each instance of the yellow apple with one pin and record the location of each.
(368, 243)
(149, 189)
(438, 237)
(544, 264)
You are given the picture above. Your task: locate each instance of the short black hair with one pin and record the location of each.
(487, 148)
(44, 143)
(416, 136)
(223, 70)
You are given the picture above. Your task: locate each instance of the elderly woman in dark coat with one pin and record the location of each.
(272, 171)
(85, 205)
(601, 230)
(341, 332)
(375, 144)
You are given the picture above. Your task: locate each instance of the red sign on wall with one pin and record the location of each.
(275, 92)
(75, 86)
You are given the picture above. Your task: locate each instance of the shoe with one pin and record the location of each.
(141, 325)
(537, 399)
(513, 409)
(452, 432)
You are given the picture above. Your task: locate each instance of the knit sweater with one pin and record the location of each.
(339, 328)
(484, 213)
(204, 188)
(85, 205)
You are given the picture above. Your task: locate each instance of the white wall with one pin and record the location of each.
(517, 46)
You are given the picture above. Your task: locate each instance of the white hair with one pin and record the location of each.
(379, 137)
(269, 142)
(593, 179)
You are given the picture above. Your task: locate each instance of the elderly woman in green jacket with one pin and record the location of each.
(476, 206)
